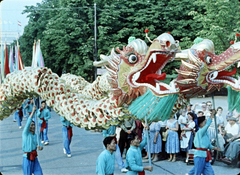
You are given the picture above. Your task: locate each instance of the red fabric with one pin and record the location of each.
(188, 125)
(6, 64)
(141, 173)
(70, 133)
(41, 109)
(208, 158)
(29, 113)
(33, 155)
(29, 102)
(20, 113)
(44, 124)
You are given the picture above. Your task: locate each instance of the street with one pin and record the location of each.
(85, 148)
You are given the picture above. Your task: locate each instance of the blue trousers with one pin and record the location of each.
(19, 120)
(43, 135)
(15, 115)
(24, 112)
(201, 167)
(31, 167)
(66, 141)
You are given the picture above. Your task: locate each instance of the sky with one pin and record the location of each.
(10, 14)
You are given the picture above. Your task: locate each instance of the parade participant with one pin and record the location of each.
(29, 107)
(43, 114)
(29, 146)
(127, 126)
(20, 117)
(134, 155)
(172, 144)
(186, 142)
(202, 154)
(67, 135)
(139, 129)
(106, 160)
(111, 132)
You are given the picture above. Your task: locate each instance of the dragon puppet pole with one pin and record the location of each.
(36, 121)
(148, 145)
(215, 122)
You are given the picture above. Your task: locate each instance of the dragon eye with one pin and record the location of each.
(208, 60)
(132, 59)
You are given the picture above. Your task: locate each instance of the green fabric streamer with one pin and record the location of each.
(130, 39)
(155, 108)
(198, 40)
(233, 99)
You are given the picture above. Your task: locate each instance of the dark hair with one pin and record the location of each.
(192, 115)
(219, 108)
(33, 122)
(43, 102)
(203, 102)
(200, 120)
(200, 112)
(131, 137)
(107, 141)
(208, 102)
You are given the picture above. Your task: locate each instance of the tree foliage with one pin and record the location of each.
(66, 28)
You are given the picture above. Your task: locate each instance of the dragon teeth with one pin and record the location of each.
(136, 76)
(157, 87)
(154, 58)
(238, 65)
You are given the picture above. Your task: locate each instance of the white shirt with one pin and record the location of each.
(163, 123)
(232, 129)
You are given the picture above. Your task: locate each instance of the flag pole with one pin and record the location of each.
(215, 122)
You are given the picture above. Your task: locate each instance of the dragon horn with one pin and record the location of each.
(186, 74)
(193, 59)
(115, 57)
(187, 82)
(190, 66)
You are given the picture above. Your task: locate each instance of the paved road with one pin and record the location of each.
(86, 146)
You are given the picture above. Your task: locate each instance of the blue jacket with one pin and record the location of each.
(45, 113)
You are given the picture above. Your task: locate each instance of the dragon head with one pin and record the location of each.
(205, 71)
(149, 72)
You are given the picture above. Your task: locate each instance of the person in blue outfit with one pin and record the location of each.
(29, 107)
(202, 143)
(43, 114)
(106, 160)
(172, 144)
(111, 133)
(134, 156)
(67, 135)
(20, 117)
(29, 145)
(155, 140)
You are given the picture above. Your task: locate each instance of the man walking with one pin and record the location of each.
(106, 160)
(29, 107)
(43, 114)
(67, 136)
(29, 146)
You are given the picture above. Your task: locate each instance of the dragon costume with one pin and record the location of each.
(132, 73)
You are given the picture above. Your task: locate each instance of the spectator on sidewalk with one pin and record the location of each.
(29, 146)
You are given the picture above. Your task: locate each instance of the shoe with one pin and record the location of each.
(186, 161)
(155, 159)
(14, 120)
(169, 159)
(64, 151)
(69, 155)
(174, 159)
(124, 170)
(46, 143)
(20, 127)
(42, 142)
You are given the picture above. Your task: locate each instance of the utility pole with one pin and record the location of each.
(95, 34)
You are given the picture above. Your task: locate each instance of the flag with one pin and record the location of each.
(11, 60)
(39, 56)
(6, 65)
(34, 61)
(2, 63)
(16, 59)
(19, 23)
(20, 62)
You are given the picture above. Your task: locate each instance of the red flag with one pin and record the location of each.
(6, 65)
(20, 62)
